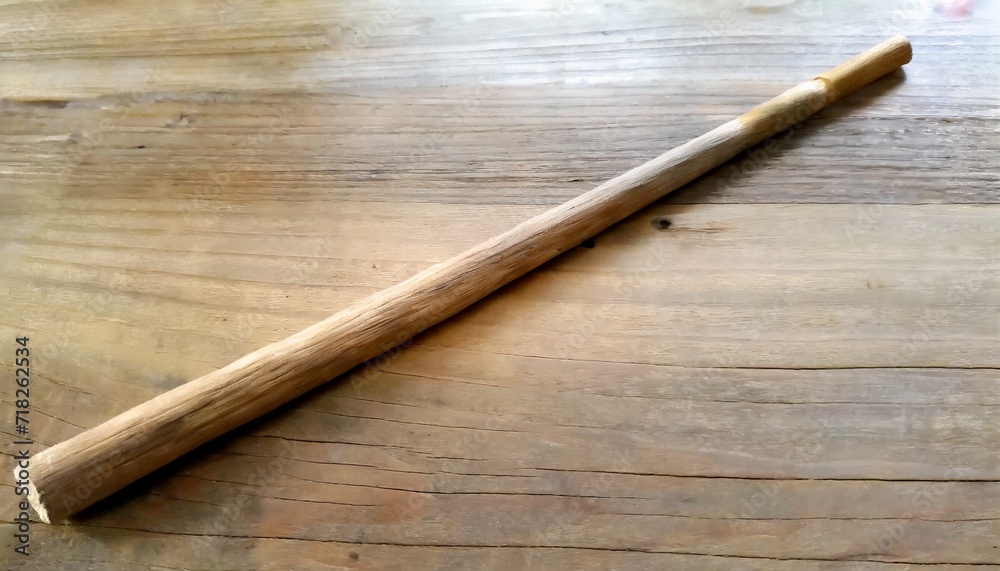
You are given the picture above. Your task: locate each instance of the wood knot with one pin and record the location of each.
(660, 223)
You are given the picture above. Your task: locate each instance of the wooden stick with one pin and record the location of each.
(74, 474)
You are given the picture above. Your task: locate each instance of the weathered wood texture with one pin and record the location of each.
(132, 444)
(799, 372)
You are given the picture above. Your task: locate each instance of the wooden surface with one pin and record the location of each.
(145, 438)
(799, 371)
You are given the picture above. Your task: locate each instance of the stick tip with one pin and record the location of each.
(902, 44)
(36, 502)
(867, 66)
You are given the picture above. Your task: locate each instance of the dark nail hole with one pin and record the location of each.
(354, 555)
(660, 223)
(141, 147)
(588, 243)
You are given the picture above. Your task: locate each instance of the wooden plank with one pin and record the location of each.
(333, 146)
(800, 286)
(96, 547)
(558, 461)
(561, 112)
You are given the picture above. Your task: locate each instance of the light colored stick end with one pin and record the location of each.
(867, 66)
(36, 502)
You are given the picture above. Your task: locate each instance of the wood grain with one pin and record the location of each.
(246, 191)
(98, 462)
